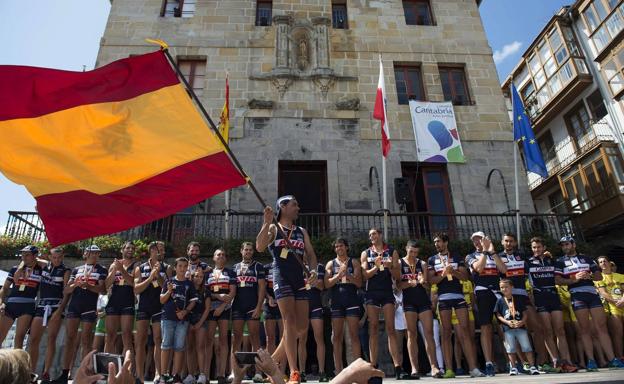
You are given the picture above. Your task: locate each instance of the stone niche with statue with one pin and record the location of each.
(302, 54)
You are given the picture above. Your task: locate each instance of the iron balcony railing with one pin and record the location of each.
(567, 151)
(182, 227)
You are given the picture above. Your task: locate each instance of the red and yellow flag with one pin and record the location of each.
(224, 121)
(106, 150)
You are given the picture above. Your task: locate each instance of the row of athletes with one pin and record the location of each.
(381, 268)
(242, 292)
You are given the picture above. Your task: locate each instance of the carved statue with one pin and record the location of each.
(302, 60)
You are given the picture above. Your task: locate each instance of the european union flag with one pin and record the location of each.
(523, 132)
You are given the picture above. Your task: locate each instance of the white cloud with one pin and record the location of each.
(508, 50)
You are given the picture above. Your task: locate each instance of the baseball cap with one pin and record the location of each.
(478, 233)
(282, 200)
(566, 239)
(93, 248)
(31, 249)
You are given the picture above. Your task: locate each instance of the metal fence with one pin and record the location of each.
(245, 225)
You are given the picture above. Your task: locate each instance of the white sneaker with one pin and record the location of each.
(513, 371)
(476, 373)
(230, 378)
(258, 378)
(201, 379)
(190, 379)
(533, 370)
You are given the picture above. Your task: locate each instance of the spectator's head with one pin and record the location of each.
(14, 367)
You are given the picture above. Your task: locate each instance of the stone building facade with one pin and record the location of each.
(302, 94)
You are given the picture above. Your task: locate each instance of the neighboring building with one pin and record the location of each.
(303, 77)
(571, 82)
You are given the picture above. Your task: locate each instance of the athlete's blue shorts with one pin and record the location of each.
(379, 298)
(585, 300)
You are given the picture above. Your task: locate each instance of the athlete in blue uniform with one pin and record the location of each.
(290, 247)
(18, 296)
(548, 305)
(343, 277)
(447, 271)
(247, 305)
(380, 266)
(149, 279)
(196, 363)
(221, 284)
(49, 313)
(417, 307)
(85, 284)
(486, 267)
(316, 320)
(120, 307)
(579, 272)
(193, 253)
(272, 315)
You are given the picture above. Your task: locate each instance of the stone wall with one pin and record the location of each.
(314, 100)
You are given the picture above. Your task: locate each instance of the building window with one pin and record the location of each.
(454, 85)
(178, 8)
(194, 71)
(549, 68)
(264, 10)
(596, 106)
(578, 122)
(339, 14)
(417, 12)
(613, 71)
(547, 146)
(604, 20)
(409, 83)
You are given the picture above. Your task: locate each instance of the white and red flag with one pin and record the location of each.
(380, 112)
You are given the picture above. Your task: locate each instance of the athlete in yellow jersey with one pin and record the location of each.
(611, 288)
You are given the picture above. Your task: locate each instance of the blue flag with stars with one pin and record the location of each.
(524, 133)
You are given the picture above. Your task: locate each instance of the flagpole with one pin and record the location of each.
(517, 186)
(227, 193)
(385, 198)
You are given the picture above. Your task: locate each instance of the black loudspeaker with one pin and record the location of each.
(402, 190)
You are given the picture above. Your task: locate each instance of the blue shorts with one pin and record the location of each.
(345, 305)
(194, 319)
(524, 299)
(547, 300)
(418, 308)
(447, 305)
(243, 313)
(173, 334)
(225, 315)
(152, 313)
(52, 304)
(517, 334)
(120, 306)
(271, 313)
(78, 309)
(315, 306)
(288, 284)
(585, 300)
(379, 298)
(485, 300)
(16, 310)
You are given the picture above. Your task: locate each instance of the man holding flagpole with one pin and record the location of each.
(380, 113)
(532, 155)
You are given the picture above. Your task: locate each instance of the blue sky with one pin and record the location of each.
(65, 34)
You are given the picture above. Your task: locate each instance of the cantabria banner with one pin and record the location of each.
(435, 130)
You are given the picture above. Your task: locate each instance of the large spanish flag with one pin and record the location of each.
(106, 150)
